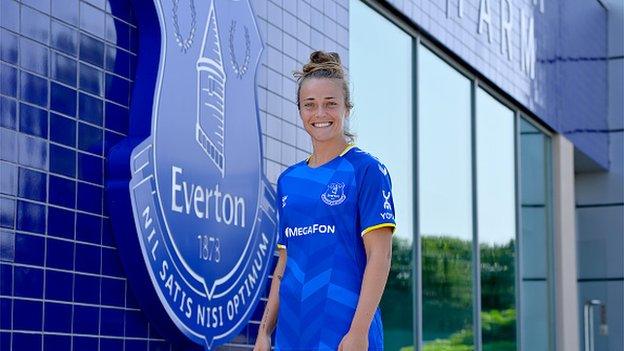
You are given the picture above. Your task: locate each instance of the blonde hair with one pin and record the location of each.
(326, 65)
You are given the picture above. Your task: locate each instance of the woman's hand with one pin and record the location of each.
(263, 343)
(354, 341)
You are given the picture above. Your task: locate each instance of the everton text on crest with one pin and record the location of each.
(199, 208)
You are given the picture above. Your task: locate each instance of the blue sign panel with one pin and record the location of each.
(190, 194)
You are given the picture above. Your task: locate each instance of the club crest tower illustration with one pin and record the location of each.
(210, 127)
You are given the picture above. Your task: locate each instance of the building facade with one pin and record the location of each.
(501, 122)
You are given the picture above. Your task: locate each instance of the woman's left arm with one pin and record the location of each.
(378, 246)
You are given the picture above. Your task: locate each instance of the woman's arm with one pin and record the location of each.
(378, 246)
(263, 341)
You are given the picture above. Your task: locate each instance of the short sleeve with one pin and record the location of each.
(375, 203)
(279, 204)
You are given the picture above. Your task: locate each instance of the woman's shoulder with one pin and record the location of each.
(361, 159)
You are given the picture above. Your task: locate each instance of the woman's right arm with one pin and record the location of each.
(269, 318)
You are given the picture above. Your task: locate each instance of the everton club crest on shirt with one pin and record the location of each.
(195, 205)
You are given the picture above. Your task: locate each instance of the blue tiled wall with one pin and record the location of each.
(66, 74)
(569, 92)
(66, 71)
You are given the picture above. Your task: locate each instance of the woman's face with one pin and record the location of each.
(322, 108)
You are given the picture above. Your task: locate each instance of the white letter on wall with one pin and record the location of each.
(505, 24)
(527, 45)
(484, 18)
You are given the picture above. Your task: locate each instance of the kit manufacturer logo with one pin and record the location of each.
(202, 208)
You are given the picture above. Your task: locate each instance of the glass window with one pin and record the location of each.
(536, 284)
(445, 204)
(496, 218)
(381, 81)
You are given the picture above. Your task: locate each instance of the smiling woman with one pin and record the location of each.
(334, 281)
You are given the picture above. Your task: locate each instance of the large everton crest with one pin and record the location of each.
(202, 208)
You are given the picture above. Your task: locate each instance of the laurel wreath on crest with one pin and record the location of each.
(184, 43)
(238, 69)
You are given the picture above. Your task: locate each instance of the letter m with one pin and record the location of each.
(527, 45)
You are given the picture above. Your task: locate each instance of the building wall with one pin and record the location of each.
(567, 93)
(600, 204)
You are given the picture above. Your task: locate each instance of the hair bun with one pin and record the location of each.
(329, 62)
(324, 57)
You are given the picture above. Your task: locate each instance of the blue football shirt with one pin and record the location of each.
(323, 214)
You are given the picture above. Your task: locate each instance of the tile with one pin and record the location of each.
(107, 344)
(28, 282)
(61, 222)
(27, 315)
(7, 212)
(33, 56)
(8, 179)
(62, 192)
(32, 152)
(6, 278)
(6, 309)
(8, 113)
(8, 145)
(60, 254)
(91, 80)
(62, 130)
(111, 325)
(88, 258)
(32, 185)
(91, 50)
(8, 80)
(90, 139)
(89, 198)
(88, 228)
(10, 18)
(81, 343)
(31, 218)
(85, 319)
(113, 292)
(117, 118)
(7, 249)
(66, 10)
(64, 38)
(58, 285)
(91, 109)
(8, 46)
(53, 342)
(92, 19)
(136, 325)
(34, 24)
(24, 341)
(62, 99)
(63, 69)
(117, 89)
(33, 121)
(62, 160)
(86, 289)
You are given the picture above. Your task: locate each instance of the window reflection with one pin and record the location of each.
(496, 218)
(445, 204)
(382, 121)
(537, 310)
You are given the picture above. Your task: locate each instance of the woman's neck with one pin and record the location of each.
(326, 151)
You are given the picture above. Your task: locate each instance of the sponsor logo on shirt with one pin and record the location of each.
(334, 195)
(311, 229)
(386, 196)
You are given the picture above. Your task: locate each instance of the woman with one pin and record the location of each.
(335, 228)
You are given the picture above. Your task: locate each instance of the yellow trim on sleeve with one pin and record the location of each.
(280, 246)
(381, 225)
